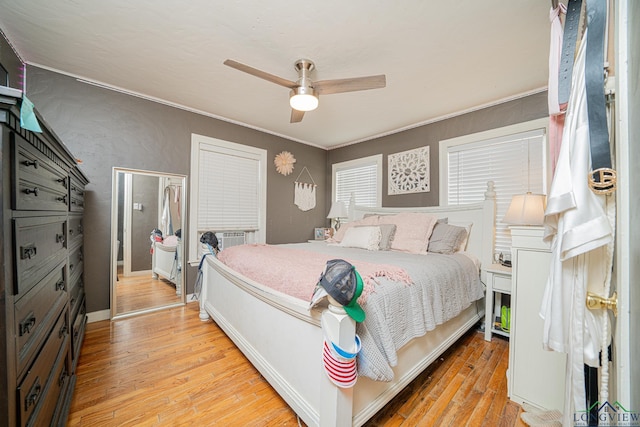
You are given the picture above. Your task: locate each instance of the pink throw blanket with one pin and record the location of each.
(296, 272)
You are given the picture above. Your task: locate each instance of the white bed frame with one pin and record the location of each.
(164, 263)
(283, 340)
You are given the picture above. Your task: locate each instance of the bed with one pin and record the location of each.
(283, 339)
(165, 261)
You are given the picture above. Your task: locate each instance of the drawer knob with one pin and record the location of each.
(62, 199)
(28, 252)
(34, 191)
(60, 238)
(63, 331)
(33, 395)
(33, 163)
(63, 377)
(27, 324)
(62, 181)
(60, 285)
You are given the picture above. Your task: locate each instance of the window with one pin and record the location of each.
(513, 157)
(228, 190)
(360, 177)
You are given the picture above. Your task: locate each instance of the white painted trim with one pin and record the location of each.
(126, 233)
(377, 158)
(489, 134)
(96, 316)
(199, 142)
(114, 228)
(622, 371)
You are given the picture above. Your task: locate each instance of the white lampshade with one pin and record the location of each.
(338, 210)
(526, 209)
(303, 99)
(303, 102)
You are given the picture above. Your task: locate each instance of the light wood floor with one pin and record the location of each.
(136, 293)
(168, 368)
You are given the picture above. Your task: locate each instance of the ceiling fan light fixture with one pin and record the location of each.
(303, 99)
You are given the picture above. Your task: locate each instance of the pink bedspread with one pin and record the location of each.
(296, 272)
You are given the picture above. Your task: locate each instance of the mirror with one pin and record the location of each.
(147, 230)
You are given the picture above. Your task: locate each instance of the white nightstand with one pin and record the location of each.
(498, 286)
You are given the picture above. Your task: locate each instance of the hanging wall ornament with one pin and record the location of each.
(409, 171)
(284, 163)
(304, 195)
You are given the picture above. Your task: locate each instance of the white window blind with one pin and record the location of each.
(362, 178)
(228, 192)
(515, 163)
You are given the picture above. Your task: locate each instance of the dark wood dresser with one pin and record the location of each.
(42, 304)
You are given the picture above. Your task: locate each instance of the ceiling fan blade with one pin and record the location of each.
(259, 73)
(326, 87)
(296, 116)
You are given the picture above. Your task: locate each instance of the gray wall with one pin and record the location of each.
(513, 112)
(104, 129)
(145, 191)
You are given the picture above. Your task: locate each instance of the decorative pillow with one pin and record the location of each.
(387, 232)
(170, 240)
(362, 237)
(412, 231)
(446, 239)
(339, 235)
(467, 226)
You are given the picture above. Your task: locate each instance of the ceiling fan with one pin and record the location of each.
(304, 91)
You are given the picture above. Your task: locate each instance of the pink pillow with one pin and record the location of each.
(412, 231)
(370, 220)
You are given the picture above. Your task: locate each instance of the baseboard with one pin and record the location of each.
(97, 316)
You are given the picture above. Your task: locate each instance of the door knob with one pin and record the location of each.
(596, 302)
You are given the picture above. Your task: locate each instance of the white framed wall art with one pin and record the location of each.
(409, 172)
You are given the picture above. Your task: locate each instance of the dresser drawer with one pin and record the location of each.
(57, 391)
(76, 231)
(38, 183)
(40, 245)
(502, 284)
(78, 330)
(34, 389)
(36, 312)
(76, 264)
(76, 195)
(76, 298)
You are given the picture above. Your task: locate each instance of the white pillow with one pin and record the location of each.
(362, 237)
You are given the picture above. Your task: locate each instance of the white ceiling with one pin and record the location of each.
(440, 57)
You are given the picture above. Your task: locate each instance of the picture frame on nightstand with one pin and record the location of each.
(322, 233)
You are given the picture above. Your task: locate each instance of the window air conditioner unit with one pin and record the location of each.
(227, 239)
